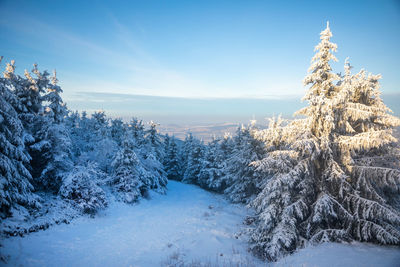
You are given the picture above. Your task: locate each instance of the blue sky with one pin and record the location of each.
(195, 49)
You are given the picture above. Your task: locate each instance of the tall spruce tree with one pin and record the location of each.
(212, 169)
(241, 176)
(15, 186)
(193, 148)
(130, 179)
(326, 182)
(172, 163)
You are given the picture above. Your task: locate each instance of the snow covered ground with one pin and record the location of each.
(186, 226)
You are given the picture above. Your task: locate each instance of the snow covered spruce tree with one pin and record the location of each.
(56, 145)
(213, 167)
(241, 176)
(130, 179)
(15, 185)
(40, 124)
(118, 130)
(286, 187)
(56, 107)
(136, 127)
(102, 147)
(154, 141)
(172, 163)
(151, 155)
(329, 177)
(193, 153)
(185, 151)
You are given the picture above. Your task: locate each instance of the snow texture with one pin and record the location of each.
(186, 226)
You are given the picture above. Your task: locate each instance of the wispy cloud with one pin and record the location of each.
(143, 73)
(104, 67)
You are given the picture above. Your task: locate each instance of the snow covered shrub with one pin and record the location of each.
(329, 176)
(81, 186)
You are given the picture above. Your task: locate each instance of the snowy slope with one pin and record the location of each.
(188, 225)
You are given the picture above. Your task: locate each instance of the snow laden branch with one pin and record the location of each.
(334, 175)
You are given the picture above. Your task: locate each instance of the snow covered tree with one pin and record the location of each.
(350, 203)
(322, 89)
(193, 148)
(102, 147)
(51, 148)
(172, 163)
(242, 179)
(157, 177)
(117, 131)
(80, 133)
(15, 186)
(29, 91)
(325, 181)
(130, 179)
(212, 169)
(285, 187)
(57, 156)
(185, 151)
(154, 140)
(151, 154)
(56, 107)
(136, 127)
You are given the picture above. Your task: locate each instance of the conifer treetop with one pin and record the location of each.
(320, 75)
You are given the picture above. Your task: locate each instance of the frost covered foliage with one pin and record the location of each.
(331, 176)
(212, 168)
(193, 159)
(100, 145)
(241, 176)
(107, 142)
(15, 179)
(81, 186)
(130, 180)
(152, 155)
(225, 164)
(172, 160)
(47, 150)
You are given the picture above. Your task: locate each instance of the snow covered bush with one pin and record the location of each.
(81, 186)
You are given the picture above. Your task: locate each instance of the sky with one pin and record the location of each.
(116, 55)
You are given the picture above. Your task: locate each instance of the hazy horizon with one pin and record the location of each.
(196, 111)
